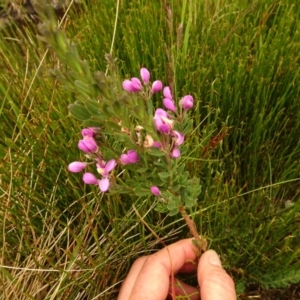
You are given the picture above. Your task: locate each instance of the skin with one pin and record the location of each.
(150, 277)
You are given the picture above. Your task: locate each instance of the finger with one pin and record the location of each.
(214, 282)
(189, 266)
(185, 290)
(131, 278)
(154, 278)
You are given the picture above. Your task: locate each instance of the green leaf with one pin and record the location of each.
(142, 170)
(73, 62)
(156, 152)
(82, 88)
(173, 212)
(93, 107)
(163, 175)
(161, 207)
(281, 279)
(79, 112)
(240, 287)
(188, 127)
(141, 192)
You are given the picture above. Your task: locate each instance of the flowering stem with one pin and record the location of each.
(201, 243)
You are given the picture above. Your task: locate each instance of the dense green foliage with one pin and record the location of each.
(240, 60)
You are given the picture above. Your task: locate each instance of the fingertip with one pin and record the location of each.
(214, 282)
(211, 256)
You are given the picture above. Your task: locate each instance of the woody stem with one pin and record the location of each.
(201, 243)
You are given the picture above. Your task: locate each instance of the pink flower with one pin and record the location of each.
(155, 190)
(90, 131)
(179, 137)
(145, 75)
(89, 178)
(76, 166)
(134, 85)
(167, 93)
(156, 86)
(187, 102)
(105, 168)
(127, 85)
(162, 122)
(88, 144)
(175, 153)
(130, 158)
(169, 104)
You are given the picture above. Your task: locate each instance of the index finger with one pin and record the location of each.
(154, 277)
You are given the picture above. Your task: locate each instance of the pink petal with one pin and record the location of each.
(167, 92)
(169, 104)
(104, 184)
(156, 86)
(127, 85)
(175, 153)
(88, 144)
(145, 75)
(90, 131)
(89, 178)
(136, 84)
(124, 159)
(76, 166)
(187, 102)
(110, 165)
(156, 144)
(132, 156)
(161, 113)
(179, 137)
(155, 190)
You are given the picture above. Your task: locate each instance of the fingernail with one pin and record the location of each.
(214, 259)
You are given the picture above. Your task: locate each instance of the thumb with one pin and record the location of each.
(215, 283)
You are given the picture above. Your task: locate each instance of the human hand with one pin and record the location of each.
(150, 277)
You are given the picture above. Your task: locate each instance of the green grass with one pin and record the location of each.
(240, 60)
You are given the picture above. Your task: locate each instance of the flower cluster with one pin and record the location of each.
(134, 85)
(90, 146)
(164, 120)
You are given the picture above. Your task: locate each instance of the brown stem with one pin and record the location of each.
(201, 243)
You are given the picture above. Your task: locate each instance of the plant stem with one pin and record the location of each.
(201, 243)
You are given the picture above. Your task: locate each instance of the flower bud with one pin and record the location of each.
(90, 131)
(167, 92)
(136, 84)
(175, 153)
(76, 166)
(88, 145)
(187, 102)
(156, 86)
(162, 122)
(127, 85)
(89, 178)
(169, 104)
(155, 190)
(130, 158)
(145, 75)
